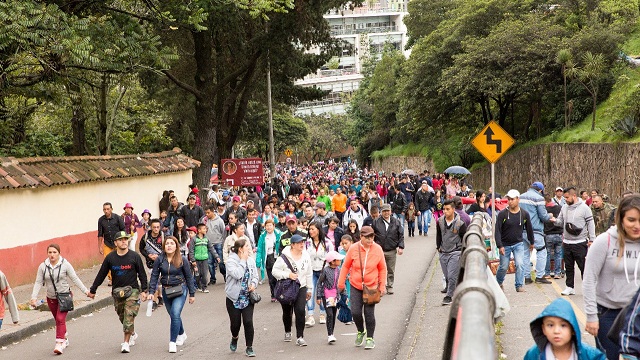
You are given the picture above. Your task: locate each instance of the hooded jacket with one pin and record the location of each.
(610, 280)
(560, 308)
(578, 214)
(533, 203)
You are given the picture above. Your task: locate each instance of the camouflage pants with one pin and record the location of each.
(127, 310)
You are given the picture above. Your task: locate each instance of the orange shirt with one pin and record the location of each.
(339, 203)
(375, 274)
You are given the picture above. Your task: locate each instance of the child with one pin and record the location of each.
(144, 223)
(6, 294)
(344, 313)
(192, 231)
(411, 219)
(438, 205)
(327, 290)
(557, 335)
(199, 249)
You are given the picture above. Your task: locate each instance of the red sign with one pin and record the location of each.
(243, 172)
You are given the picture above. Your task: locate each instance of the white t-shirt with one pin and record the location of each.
(270, 242)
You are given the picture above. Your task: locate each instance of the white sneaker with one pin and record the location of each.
(181, 339)
(332, 339)
(323, 319)
(310, 321)
(301, 342)
(568, 291)
(125, 348)
(59, 348)
(133, 338)
(172, 347)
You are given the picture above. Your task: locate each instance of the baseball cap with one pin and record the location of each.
(538, 186)
(366, 231)
(236, 198)
(121, 235)
(192, 228)
(222, 203)
(513, 193)
(296, 239)
(559, 188)
(192, 196)
(320, 205)
(333, 255)
(385, 207)
(282, 214)
(291, 218)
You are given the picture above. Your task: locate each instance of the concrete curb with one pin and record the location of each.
(49, 322)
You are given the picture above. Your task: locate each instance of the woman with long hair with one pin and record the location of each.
(181, 234)
(318, 246)
(611, 276)
(241, 280)
(353, 230)
(267, 252)
(479, 205)
(172, 269)
(54, 273)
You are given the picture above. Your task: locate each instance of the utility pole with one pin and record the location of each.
(272, 155)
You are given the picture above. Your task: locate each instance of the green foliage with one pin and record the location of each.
(326, 135)
(627, 126)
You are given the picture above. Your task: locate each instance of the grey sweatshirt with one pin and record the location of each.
(609, 280)
(578, 214)
(64, 268)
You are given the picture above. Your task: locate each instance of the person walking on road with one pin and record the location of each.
(532, 201)
(553, 241)
(109, 224)
(267, 252)
(301, 264)
(611, 276)
(424, 203)
(127, 291)
(327, 291)
(318, 246)
(389, 234)
(7, 295)
(172, 269)
(449, 234)
(510, 223)
(365, 265)
(54, 273)
(242, 278)
(398, 204)
(577, 222)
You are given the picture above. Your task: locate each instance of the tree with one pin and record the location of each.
(592, 70)
(326, 135)
(563, 58)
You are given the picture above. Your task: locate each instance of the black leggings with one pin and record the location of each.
(332, 312)
(357, 310)
(238, 316)
(299, 307)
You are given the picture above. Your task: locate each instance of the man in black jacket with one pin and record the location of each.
(399, 205)
(424, 204)
(191, 213)
(390, 236)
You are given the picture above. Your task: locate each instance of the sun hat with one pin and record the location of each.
(333, 255)
(127, 205)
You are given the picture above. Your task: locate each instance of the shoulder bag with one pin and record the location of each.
(65, 299)
(286, 290)
(174, 291)
(370, 296)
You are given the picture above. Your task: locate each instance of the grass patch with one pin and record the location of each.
(499, 346)
(411, 149)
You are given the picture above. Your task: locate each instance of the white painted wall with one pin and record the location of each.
(32, 215)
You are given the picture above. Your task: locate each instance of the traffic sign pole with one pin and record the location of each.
(493, 202)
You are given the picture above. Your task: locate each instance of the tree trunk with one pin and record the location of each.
(593, 120)
(205, 134)
(78, 120)
(566, 115)
(102, 136)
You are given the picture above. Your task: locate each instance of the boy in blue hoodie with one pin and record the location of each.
(557, 335)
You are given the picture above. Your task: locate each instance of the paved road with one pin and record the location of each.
(207, 326)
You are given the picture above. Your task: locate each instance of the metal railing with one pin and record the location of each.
(470, 331)
(366, 30)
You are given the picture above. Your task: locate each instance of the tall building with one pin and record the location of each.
(364, 31)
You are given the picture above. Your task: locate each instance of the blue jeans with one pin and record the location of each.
(212, 264)
(311, 303)
(425, 221)
(174, 308)
(518, 255)
(606, 317)
(554, 244)
(541, 255)
(1, 321)
(401, 218)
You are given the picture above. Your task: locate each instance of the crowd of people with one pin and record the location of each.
(328, 236)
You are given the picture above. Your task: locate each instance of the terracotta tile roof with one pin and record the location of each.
(52, 171)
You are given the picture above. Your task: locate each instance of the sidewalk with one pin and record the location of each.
(426, 330)
(35, 321)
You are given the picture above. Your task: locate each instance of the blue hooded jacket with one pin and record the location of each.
(533, 203)
(560, 308)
